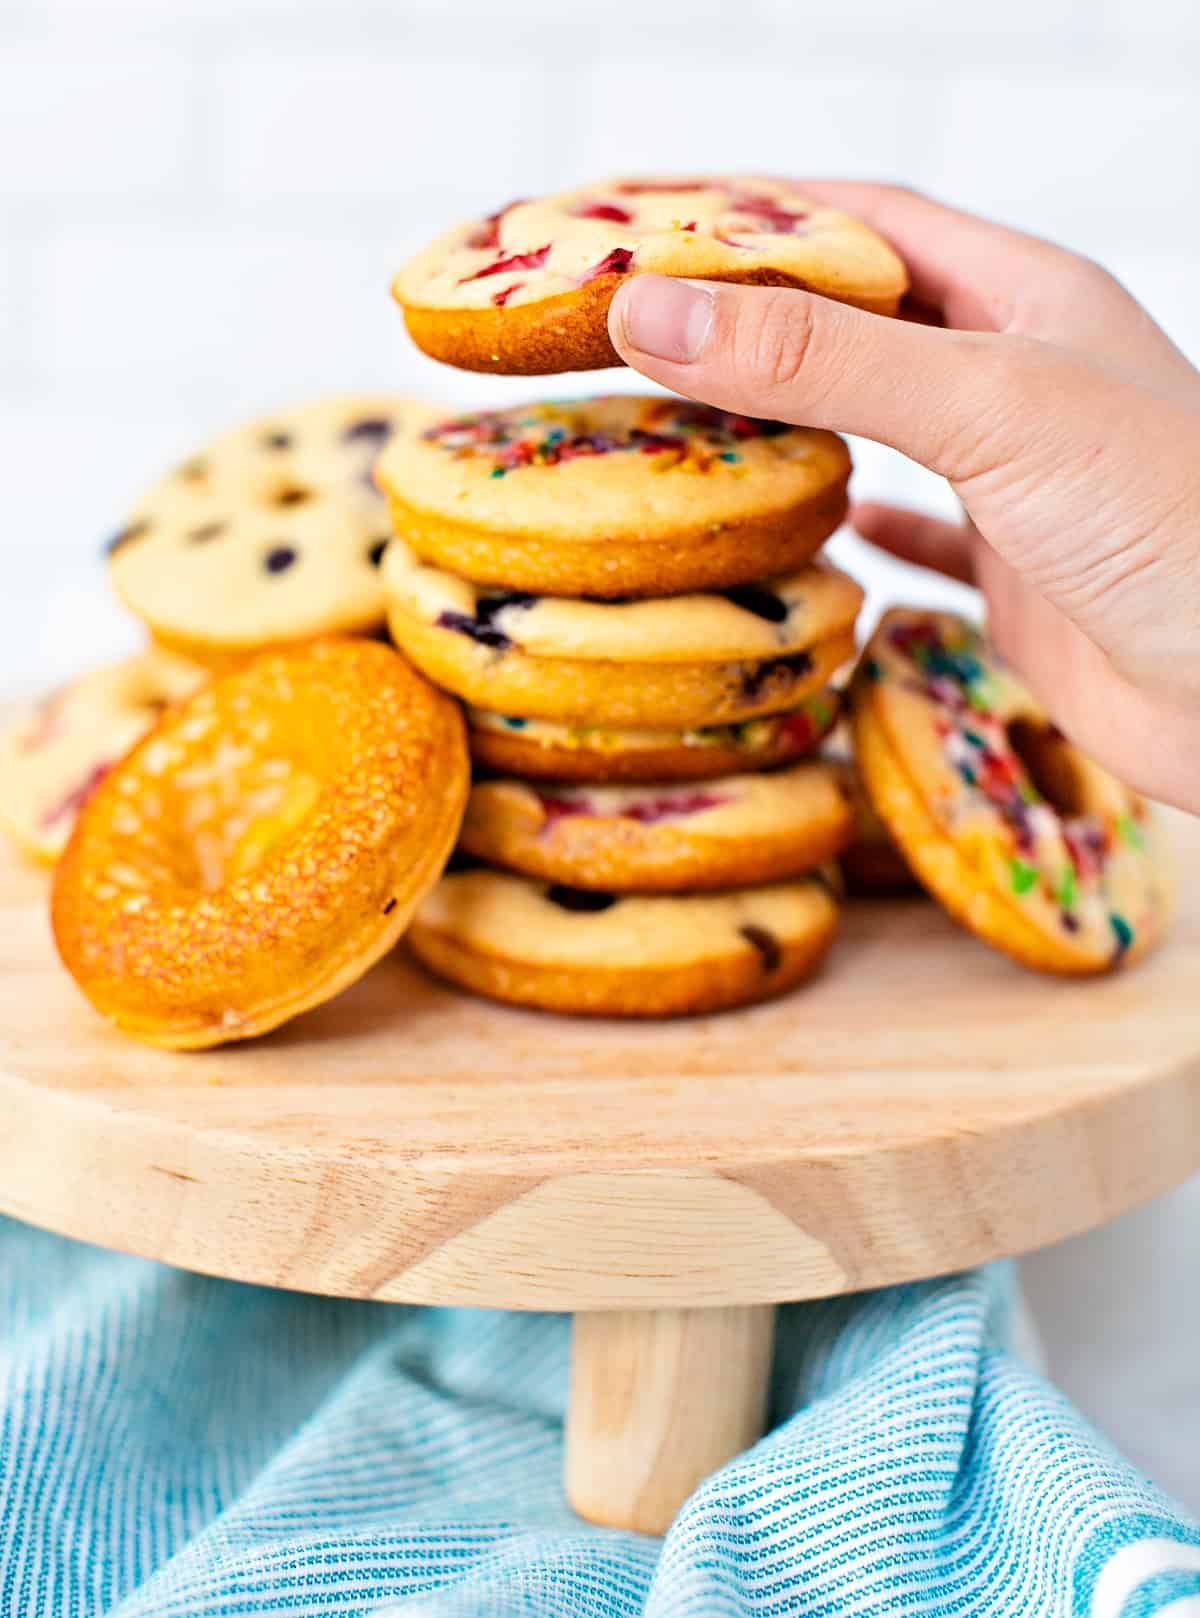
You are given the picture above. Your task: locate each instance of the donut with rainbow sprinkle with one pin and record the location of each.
(1020, 836)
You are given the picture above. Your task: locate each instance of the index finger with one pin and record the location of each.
(981, 276)
(969, 268)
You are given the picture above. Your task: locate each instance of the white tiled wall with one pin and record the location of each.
(201, 201)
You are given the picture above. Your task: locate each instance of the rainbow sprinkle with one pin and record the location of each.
(682, 434)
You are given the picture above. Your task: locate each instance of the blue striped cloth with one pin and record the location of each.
(172, 1445)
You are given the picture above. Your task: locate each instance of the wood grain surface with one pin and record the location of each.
(660, 1399)
(923, 1105)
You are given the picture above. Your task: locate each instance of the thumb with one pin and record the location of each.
(958, 402)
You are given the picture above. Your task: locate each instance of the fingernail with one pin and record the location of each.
(665, 318)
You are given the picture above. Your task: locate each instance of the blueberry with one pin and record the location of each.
(766, 943)
(762, 603)
(482, 634)
(460, 860)
(280, 559)
(487, 607)
(579, 899)
(782, 670)
(370, 430)
(482, 628)
(135, 530)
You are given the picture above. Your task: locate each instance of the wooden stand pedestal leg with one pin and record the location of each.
(660, 1398)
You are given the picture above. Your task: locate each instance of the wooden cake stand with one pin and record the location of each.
(922, 1106)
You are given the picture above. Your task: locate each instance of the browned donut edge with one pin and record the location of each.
(668, 991)
(516, 755)
(627, 858)
(224, 657)
(568, 332)
(698, 558)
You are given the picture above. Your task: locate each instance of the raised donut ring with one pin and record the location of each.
(263, 846)
(1019, 835)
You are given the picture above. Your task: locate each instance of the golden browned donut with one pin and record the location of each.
(617, 495)
(675, 663)
(726, 833)
(263, 846)
(563, 949)
(527, 289)
(546, 751)
(270, 534)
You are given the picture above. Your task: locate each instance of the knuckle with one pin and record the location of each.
(978, 444)
(885, 191)
(774, 336)
(910, 193)
(1090, 279)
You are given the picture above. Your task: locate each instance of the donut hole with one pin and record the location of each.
(1049, 761)
(231, 810)
(268, 823)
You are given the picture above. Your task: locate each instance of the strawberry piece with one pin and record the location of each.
(487, 232)
(505, 293)
(668, 808)
(616, 263)
(605, 210)
(563, 808)
(645, 811)
(75, 799)
(798, 728)
(769, 218)
(513, 261)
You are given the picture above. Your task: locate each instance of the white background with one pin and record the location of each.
(201, 203)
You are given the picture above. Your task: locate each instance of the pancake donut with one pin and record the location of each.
(1022, 838)
(263, 847)
(871, 862)
(58, 751)
(270, 534)
(619, 495)
(676, 663)
(527, 289)
(662, 839)
(563, 949)
(546, 751)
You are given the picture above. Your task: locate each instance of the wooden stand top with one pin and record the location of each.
(922, 1106)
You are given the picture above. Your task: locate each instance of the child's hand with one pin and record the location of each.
(1066, 421)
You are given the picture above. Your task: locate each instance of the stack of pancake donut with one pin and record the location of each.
(624, 595)
(624, 592)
